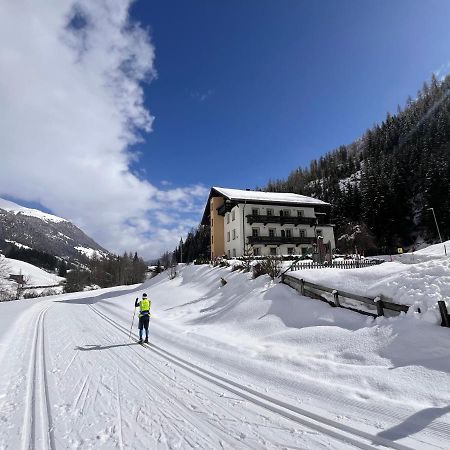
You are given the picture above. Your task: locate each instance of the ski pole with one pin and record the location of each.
(132, 322)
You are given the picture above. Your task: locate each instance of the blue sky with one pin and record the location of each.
(249, 90)
(235, 92)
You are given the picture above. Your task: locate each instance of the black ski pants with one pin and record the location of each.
(143, 323)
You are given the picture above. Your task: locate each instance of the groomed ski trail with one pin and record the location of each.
(346, 434)
(37, 426)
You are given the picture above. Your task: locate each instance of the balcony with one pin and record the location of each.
(226, 207)
(291, 220)
(278, 240)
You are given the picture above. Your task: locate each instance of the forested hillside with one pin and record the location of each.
(383, 183)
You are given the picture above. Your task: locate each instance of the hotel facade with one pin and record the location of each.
(245, 222)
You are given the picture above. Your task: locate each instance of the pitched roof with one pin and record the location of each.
(276, 197)
(240, 196)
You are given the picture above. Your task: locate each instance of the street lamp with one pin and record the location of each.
(437, 226)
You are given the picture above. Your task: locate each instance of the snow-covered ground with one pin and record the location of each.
(419, 280)
(34, 276)
(247, 365)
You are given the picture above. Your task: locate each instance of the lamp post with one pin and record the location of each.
(437, 227)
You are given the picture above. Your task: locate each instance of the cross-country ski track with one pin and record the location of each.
(72, 378)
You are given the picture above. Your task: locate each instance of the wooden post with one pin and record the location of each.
(302, 286)
(379, 304)
(444, 314)
(336, 298)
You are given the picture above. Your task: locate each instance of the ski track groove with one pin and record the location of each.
(189, 416)
(119, 412)
(343, 433)
(37, 429)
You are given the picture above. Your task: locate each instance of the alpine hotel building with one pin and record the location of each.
(267, 223)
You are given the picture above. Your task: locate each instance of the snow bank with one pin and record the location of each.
(420, 285)
(270, 322)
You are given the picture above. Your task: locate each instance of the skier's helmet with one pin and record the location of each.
(144, 295)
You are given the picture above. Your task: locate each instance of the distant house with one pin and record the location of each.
(266, 223)
(19, 279)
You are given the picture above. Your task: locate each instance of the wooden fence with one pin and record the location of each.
(346, 264)
(374, 307)
(40, 287)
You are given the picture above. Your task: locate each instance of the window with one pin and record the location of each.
(300, 213)
(256, 251)
(269, 212)
(233, 216)
(229, 253)
(319, 232)
(228, 217)
(271, 232)
(233, 234)
(255, 212)
(291, 250)
(212, 239)
(302, 233)
(304, 251)
(255, 232)
(283, 233)
(286, 212)
(273, 251)
(228, 236)
(234, 252)
(212, 222)
(288, 233)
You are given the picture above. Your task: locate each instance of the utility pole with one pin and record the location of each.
(437, 226)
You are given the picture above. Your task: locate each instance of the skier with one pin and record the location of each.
(144, 315)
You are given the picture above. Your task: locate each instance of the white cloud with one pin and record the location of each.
(71, 105)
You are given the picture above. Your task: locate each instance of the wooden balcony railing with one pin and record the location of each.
(291, 220)
(278, 240)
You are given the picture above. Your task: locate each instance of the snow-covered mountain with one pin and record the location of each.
(26, 227)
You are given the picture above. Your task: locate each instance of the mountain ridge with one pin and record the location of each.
(45, 232)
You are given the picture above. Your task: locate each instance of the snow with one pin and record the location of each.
(89, 252)
(353, 180)
(436, 250)
(251, 364)
(276, 197)
(18, 244)
(419, 285)
(34, 275)
(17, 209)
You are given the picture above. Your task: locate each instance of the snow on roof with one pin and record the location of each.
(17, 209)
(238, 194)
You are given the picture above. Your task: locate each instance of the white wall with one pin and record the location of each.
(240, 224)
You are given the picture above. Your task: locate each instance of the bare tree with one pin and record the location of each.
(272, 266)
(4, 285)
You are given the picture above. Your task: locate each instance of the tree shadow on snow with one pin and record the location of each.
(90, 347)
(414, 423)
(97, 298)
(296, 311)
